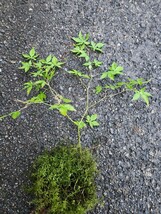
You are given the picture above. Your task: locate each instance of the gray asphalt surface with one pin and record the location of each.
(128, 141)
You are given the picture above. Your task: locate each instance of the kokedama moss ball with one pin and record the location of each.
(63, 181)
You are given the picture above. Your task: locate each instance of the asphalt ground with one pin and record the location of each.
(127, 143)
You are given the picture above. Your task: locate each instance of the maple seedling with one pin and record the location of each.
(42, 72)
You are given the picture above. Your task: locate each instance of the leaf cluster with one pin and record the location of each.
(131, 85)
(83, 45)
(63, 181)
(92, 120)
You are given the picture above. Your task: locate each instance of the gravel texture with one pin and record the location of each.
(128, 141)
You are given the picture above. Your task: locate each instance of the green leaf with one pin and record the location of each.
(93, 116)
(77, 50)
(28, 86)
(26, 56)
(63, 111)
(145, 96)
(95, 123)
(100, 45)
(136, 96)
(25, 66)
(41, 96)
(37, 74)
(15, 114)
(84, 55)
(40, 83)
(32, 52)
(78, 73)
(96, 46)
(142, 94)
(138, 82)
(38, 99)
(63, 108)
(38, 65)
(97, 63)
(56, 63)
(55, 106)
(81, 40)
(91, 120)
(104, 75)
(98, 89)
(66, 100)
(69, 107)
(48, 59)
(112, 72)
(112, 87)
(80, 124)
(88, 64)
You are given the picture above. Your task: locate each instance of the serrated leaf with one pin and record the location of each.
(136, 96)
(48, 59)
(77, 50)
(96, 46)
(15, 114)
(84, 55)
(32, 52)
(78, 73)
(42, 83)
(97, 63)
(38, 65)
(81, 40)
(95, 123)
(41, 96)
(76, 39)
(113, 66)
(80, 124)
(88, 118)
(37, 74)
(88, 64)
(145, 98)
(28, 87)
(26, 56)
(56, 63)
(110, 75)
(91, 120)
(55, 106)
(140, 81)
(69, 107)
(98, 89)
(143, 95)
(63, 111)
(66, 100)
(25, 66)
(100, 45)
(118, 69)
(112, 87)
(104, 75)
(93, 117)
(112, 72)
(54, 60)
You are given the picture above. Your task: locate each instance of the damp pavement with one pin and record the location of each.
(127, 144)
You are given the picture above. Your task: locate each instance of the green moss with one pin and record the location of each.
(63, 181)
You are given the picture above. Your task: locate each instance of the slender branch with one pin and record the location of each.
(70, 119)
(103, 98)
(79, 137)
(87, 97)
(82, 83)
(55, 94)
